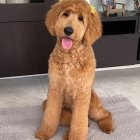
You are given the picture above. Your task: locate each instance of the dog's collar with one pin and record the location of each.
(92, 8)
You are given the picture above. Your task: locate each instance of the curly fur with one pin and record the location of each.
(71, 98)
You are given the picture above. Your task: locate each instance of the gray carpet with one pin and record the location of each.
(20, 123)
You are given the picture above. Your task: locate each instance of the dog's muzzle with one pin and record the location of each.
(68, 31)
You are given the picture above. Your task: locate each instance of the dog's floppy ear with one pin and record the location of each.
(52, 17)
(94, 29)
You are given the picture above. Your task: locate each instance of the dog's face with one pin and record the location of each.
(72, 21)
(70, 26)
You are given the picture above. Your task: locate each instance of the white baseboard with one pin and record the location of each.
(119, 67)
(24, 76)
(98, 69)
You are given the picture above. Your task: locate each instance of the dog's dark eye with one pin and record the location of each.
(66, 14)
(81, 18)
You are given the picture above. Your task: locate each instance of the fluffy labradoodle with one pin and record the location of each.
(71, 99)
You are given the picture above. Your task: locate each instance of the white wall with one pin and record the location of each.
(2, 1)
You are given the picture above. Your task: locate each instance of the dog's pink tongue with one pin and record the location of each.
(66, 43)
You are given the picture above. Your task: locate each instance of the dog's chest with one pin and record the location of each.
(69, 65)
(69, 69)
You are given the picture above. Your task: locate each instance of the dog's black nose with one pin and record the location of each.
(68, 31)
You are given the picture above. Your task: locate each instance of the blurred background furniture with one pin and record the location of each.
(25, 43)
(110, 7)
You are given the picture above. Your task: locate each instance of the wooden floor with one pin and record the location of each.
(31, 91)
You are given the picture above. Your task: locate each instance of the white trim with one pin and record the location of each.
(98, 69)
(24, 76)
(119, 67)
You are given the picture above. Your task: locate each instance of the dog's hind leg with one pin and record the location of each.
(99, 114)
(66, 115)
(65, 118)
(44, 105)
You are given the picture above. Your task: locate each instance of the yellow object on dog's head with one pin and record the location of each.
(93, 9)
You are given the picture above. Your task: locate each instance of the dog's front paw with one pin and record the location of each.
(41, 135)
(106, 125)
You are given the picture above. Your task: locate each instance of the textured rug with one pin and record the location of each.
(20, 123)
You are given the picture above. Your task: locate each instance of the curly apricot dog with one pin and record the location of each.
(72, 64)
